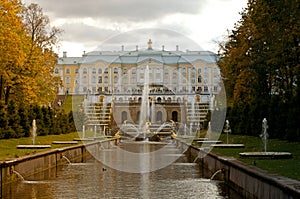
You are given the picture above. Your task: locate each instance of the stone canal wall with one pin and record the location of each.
(247, 180)
(32, 164)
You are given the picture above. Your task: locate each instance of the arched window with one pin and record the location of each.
(116, 70)
(67, 80)
(159, 117)
(99, 71)
(199, 79)
(94, 79)
(84, 71)
(106, 71)
(158, 99)
(138, 116)
(124, 116)
(100, 79)
(115, 79)
(84, 80)
(175, 116)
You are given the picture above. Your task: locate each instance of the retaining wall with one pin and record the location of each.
(247, 180)
(32, 164)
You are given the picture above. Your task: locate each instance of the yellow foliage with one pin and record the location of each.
(26, 68)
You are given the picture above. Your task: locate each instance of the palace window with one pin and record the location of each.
(199, 79)
(94, 71)
(93, 79)
(133, 72)
(99, 71)
(115, 79)
(116, 70)
(100, 79)
(67, 80)
(56, 71)
(67, 71)
(76, 71)
(205, 88)
(84, 80)
(84, 71)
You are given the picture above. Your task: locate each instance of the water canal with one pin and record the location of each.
(93, 179)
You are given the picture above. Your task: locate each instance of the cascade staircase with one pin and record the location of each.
(98, 114)
(198, 115)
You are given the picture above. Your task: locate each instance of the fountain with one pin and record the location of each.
(33, 131)
(152, 111)
(264, 136)
(265, 154)
(33, 137)
(227, 130)
(19, 175)
(144, 120)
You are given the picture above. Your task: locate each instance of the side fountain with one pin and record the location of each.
(33, 137)
(266, 154)
(227, 130)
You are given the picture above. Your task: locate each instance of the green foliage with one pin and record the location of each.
(16, 121)
(260, 65)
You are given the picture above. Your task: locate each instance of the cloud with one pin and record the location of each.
(85, 33)
(120, 10)
(140, 37)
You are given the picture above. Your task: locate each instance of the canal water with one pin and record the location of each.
(93, 179)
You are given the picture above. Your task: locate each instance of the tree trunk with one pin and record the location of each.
(7, 92)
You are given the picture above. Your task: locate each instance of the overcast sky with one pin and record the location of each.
(108, 24)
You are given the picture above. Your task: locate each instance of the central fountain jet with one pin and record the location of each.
(144, 120)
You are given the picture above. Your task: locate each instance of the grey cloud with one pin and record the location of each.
(105, 39)
(120, 10)
(84, 33)
(140, 37)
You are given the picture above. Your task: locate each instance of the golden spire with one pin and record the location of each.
(149, 44)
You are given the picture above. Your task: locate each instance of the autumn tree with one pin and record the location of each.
(27, 58)
(259, 63)
(41, 58)
(12, 52)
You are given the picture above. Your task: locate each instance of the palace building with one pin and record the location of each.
(177, 81)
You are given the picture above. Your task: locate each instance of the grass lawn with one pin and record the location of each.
(9, 150)
(285, 167)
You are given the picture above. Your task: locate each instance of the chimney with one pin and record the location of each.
(122, 48)
(163, 48)
(177, 48)
(137, 48)
(64, 54)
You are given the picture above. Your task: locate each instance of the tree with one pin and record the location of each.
(11, 47)
(40, 56)
(27, 58)
(259, 63)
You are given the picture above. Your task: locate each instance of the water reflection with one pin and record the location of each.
(95, 180)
